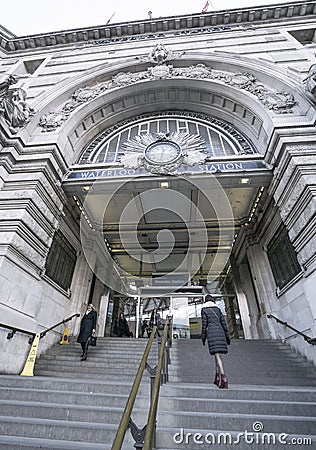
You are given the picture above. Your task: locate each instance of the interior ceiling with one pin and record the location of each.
(157, 224)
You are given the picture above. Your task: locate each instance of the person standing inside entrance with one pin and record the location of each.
(121, 328)
(154, 320)
(87, 328)
(214, 329)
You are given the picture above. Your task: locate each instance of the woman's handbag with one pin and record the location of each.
(93, 340)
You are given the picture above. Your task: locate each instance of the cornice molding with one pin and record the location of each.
(197, 23)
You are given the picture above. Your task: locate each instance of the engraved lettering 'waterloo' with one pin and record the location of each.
(201, 168)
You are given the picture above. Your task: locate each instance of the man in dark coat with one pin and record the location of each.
(87, 328)
(154, 320)
(214, 328)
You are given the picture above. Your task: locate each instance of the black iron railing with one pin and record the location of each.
(11, 333)
(308, 339)
(43, 333)
(13, 329)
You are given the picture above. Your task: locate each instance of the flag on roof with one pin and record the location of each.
(204, 10)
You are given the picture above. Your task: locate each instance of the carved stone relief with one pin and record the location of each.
(310, 82)
(160, 55)
(279, 102)
(13, 107)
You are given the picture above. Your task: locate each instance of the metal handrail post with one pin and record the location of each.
(150, 435)
(120, 434)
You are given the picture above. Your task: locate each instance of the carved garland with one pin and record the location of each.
(279, 102)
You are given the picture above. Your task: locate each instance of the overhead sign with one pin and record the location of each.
(214, 167)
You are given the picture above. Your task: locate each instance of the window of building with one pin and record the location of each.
(60, 262)
(305, 37)
(220, 138)
(28, 67)
(282, 258)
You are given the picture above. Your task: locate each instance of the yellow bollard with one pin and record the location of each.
(64, 339)
(28, 370)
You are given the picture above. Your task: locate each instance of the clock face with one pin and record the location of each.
(162, 152)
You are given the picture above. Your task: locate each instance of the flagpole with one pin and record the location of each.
(107, 23)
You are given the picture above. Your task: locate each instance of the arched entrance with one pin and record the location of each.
(181, 167)
(112, 118)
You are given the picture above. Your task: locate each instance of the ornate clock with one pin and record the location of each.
(162, 152)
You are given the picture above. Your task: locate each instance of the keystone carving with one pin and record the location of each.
(160, 55)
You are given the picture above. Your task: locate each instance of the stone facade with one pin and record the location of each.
(252, 68)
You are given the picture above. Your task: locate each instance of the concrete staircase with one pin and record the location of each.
(71, 404)
(74, 404)
(271, 390)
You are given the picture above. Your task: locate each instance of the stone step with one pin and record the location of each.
(270, 407)
(97, 374)
(69, 413)
(21, 442)
(69, 397)
(17, 398)
(77, 431)
(239, 392)
(226, 421)
(69, 385)
(92, 360)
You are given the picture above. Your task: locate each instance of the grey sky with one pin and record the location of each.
(24, 17)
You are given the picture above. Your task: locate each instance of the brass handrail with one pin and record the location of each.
(120, 434)
(308, 339)
(151, 422)
(43, 333)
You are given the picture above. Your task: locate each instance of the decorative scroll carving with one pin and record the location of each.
(278, 101)
(13, 107)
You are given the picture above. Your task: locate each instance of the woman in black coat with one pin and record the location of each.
(87, 328)
(214, 328)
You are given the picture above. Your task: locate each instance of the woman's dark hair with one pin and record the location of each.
(209, 298)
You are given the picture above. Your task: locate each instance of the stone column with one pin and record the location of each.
(103, 310)
(242, 301)
(252, 302)
(263, 284)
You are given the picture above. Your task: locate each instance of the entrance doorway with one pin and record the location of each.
(184, 304)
